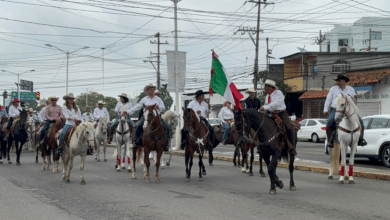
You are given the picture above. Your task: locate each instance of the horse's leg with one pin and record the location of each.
(124, 156)
(82, 169)
(352, 160)
(187, 159)
(252, 158)
(200, 165)
(64, 163)
(191, 163)
(19, 147)
(97, 158)
(238, 156)
(70, 167)
(211, 157)
(8, 149)
(104, 150)
(36, 157)
(55, 162)
(244, 154)
(261, 165)
(119, 158)
(291, 170)
(330, 151)
(158, 162)
(43, 155)
(343, 150)
(147, 164)
(133, 175)
(48, 158)
(272, 171)
(235, 157)
(162, 164)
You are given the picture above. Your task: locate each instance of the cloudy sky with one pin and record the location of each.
(126, 27)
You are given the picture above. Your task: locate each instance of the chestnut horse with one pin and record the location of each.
(3, 143)
(50, 145)
(197, 142)
(232, 139)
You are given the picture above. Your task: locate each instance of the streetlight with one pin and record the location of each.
(18, 74)
(67, 60)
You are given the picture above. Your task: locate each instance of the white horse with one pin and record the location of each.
(101, 137)
(348, 134)
(123, 137)
(30, 144)
(82, 139)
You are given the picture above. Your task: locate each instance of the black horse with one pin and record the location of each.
(19, 135)
(271, 143)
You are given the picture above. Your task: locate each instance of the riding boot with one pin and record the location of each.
(361, 141)
(184, 139)
(332, 138)
(89, 151)
(291, 147)
(110, 133)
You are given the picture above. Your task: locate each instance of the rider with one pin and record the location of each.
(72, 114)
(334, 92)
(100, 111)
(53, 112)
(150, 99)
(123, 102)
(252, 102)
(87, 116)
(199, 106)
(2, 111)
(274, 104)
(226, 115)
(13, 112)
(41, 114)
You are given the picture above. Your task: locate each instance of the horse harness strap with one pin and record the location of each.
(348, 131)
(123, 133)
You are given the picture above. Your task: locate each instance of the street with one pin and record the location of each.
(26, 192)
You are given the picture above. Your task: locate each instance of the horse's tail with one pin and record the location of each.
(115, 153)
(139, 154)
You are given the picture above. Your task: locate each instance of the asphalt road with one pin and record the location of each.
(26, 192)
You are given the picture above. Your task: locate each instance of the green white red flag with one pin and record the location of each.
(220, 83)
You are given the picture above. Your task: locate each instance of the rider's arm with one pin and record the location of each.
(161, 105)
(108, 114)
(95, 114)
(40, 115)
(276, 101)
(61, 114)
(117, 107)
(328, 100)
(79, 114)
(48, 117)
(12, 112)
(191, 105)
(221, 114)
(65, 110)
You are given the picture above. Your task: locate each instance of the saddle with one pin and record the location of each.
(68, 134)
(16, 119)
(282, 129)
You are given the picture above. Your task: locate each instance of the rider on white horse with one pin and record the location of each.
(150, 99)
(87, 116)
(335, 91)
(123, 102)
(100, 111)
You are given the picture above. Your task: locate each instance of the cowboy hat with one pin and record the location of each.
(123, 95)
(53, 98)
(157, 92)
(199, 93)
(15, 100)
(100, 102)
(269, 82)
(68, 96)
(250, 90)
(149, 86)
(31, 110)
(343, 77)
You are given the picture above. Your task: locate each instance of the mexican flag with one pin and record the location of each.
(221, 83)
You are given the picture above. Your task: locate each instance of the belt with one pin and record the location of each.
(278, 111)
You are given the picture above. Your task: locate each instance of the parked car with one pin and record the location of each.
(214, 121)
(313, 129)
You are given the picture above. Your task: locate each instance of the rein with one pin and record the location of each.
(258, 143)
(345, 108)
(198, 141)
(153, 131)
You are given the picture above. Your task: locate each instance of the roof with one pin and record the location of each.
(314, 94)
(367, 77)
(313, 53)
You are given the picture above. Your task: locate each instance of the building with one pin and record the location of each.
(355, 37)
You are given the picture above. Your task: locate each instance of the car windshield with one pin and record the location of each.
(214, 121)
(322, 122)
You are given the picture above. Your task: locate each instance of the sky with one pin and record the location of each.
(125, 28)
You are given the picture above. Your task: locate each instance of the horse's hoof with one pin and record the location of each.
(118, 170)
(134, 177)
(147, 180)
(105, 160)
(83, 182)
(272, 192)
(204, 173)
(168, 163)
(129, 170)
(67, 181)
(95, 158)
(351, 182)
(293, 188)
(210, 164)
(116, 166)
(330, 177)
(98, 160)
(123, 168)
(235, 165)
(158, 181)
(250, 174)
(243, 171)
(346, 178)
(281, 185)
(247, 171)
(188, 179)
(200, 178)
(263, 175)
(36, 162)
(341, 182)
(9, 162)
(239, 166)
(18, 164)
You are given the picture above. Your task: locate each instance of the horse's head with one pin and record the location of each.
(344, 107)
(23, 118)
(239, 124)
(149, 115)
(173, 121)
(189, 117)
(103, 122)
(123, 117)
(87, 131)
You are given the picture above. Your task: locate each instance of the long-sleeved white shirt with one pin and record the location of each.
(100, 113)
(147, 101)
(225, 114)
(120, 104)
(87, 117)
(41, 115)
(14, 111)
(334, 92)
(277, 102)
(69, 114)
(203, 107)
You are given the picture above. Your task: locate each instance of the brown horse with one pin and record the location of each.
(153, 138)
(232, 139)
(198, 133)
(3, 143)
(250, 145)
(50, 146)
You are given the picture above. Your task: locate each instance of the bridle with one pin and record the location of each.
(150, 124)
(345, 108)
(123, 133)
(198, 141)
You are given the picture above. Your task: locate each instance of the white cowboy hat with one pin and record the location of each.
(269, 82)
(123, 95)
(53, 97)
(31, 110)
(250, 90)
(149, 86)
(70, 95)
(157, 92)
(101, 102)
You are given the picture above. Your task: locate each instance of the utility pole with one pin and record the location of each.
(319, 40)
(177, 103)
(267, 55)
(158, 57)
(369, 41)
(102, 64)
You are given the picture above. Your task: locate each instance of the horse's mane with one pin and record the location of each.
(80, 128)
(168, 115)
(190, 109)
(340, 100)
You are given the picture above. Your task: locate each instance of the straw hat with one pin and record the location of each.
(53, 98)
(31, 110)
(157, 92)
(15, 100)
(100, 103)
(149, 86)
(250, 90)
(123, 95)
(68, 96)
(269, 82)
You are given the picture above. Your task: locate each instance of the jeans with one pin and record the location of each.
(139, 129)
(63, 133)
(45, 128)
(332, 122)
(226, 131)
(117, 121)
(10, 121)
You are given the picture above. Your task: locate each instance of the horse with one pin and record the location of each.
(82, 138)
(250, 145)
(124, 135)
(348, 135)
(3, 143)
(232, 139)
(270, 141)
(101, 137)
(30, 144)
(50, 145)
(198, 133)
(18, 135)
(153, 138)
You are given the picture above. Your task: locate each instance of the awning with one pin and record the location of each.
(314, 94)
(362, 89)
(367, 77)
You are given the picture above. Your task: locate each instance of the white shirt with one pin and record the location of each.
(277, 102)
(100, 113)
(14, 111)
(225, 114)
(147, 101)
(87, 117)
(334, 92)
(41, 115)
(69, 114)
(293, 117)
(203, 107)
(120, 104)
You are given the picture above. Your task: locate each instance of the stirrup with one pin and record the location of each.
(362, 142)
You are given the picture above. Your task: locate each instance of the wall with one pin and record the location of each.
(380, 93)
(295, 83)
(313, 108)
(276, 72)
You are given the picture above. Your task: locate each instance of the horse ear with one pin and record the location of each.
(144, 105)
(182, 108)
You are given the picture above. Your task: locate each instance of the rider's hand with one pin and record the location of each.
(198, 112)
(261, 109)
(325, 113)
(209, 105)
(156, 107)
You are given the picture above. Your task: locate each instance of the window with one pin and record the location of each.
(340, 67)
(366, 122)
(311, 123)
(303, 123)
(323, 122)
(378, 123)
(343, 42)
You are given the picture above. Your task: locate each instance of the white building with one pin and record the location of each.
(355, 37)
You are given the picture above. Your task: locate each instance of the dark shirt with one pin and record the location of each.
(252, 103)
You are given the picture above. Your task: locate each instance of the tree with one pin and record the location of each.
(32, 104)
(93, 99)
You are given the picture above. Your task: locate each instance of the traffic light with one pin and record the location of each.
(38, 95)
(5, 94)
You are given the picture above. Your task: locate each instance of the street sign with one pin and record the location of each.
(26, 85)
(181, 75)
(376, 35)
(24, 96)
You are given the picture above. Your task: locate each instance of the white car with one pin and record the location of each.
(214, 121)
(313, 129)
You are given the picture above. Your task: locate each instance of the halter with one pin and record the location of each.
(198, 141)
(345, 107)
(123, 132)
(151, 127)
(258, 143)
